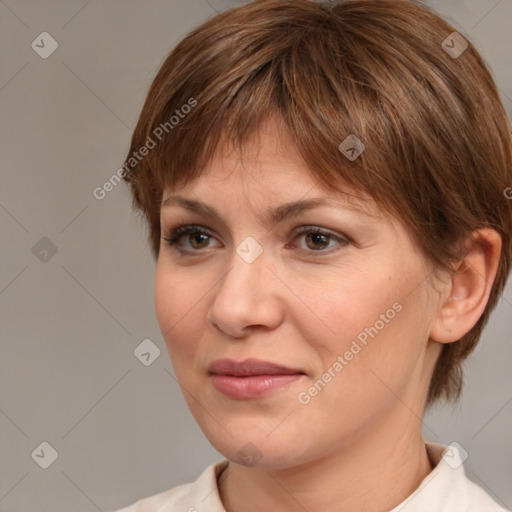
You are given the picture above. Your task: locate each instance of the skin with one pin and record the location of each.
(357, 445)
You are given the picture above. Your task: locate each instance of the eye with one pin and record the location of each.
(317, 239)
(198, 237)
(201, 236)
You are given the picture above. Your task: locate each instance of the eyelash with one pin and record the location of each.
(179, 232)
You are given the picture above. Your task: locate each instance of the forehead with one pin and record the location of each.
(267, 168)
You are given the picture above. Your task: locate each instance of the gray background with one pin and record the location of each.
(69, 325)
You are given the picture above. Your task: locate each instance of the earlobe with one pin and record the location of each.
(469, 287)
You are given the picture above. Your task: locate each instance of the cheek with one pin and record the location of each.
(165, 297)
(349, 307)
(179, 311)
(375, 324)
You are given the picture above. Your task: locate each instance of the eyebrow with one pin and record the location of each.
(272, 216)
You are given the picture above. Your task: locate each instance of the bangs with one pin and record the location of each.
(291, 79)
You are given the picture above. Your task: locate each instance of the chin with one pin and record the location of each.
(261, 446)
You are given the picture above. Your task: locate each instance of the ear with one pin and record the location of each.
(469, 288)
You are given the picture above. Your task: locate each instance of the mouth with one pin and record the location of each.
(250, 367)
(251, 378)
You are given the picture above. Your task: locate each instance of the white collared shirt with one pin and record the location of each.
(445, 489)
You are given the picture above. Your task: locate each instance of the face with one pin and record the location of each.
(339, 296)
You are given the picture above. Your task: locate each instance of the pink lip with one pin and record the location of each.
(251, 378)
(249, 367)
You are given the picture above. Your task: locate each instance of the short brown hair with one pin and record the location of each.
(438, 142)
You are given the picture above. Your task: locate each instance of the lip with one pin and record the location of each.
(250, 378)
(249, 367)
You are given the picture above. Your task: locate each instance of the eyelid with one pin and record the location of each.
(317, 229)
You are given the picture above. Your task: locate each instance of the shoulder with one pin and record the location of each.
(186, 497)
(163, 499)
(479, 500)
(447, 488)
(471, 497)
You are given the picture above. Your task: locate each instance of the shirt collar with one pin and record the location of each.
(434, 493)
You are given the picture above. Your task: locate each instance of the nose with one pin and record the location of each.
(247, 297)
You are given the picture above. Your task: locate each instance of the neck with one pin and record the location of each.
(375, 473)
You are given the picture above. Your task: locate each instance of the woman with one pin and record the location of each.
(325, 190)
